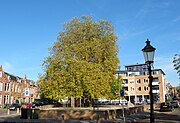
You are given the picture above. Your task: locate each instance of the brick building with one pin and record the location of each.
(136, 83)
(14, 89)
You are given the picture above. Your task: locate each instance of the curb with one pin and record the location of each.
(9, 115)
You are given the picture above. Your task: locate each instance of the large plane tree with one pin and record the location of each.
(82, 62)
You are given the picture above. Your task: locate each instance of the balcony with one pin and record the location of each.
(155, 83)
(126, 92)
(155, 91)
(125, 84)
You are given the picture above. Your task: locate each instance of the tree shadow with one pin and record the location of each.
(164, 116)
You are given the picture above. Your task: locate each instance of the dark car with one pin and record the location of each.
(166, 106)
(14, 106)
(175, 104)
(37, 104)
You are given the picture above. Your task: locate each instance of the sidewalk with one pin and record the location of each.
(16, 118)
(4, 113)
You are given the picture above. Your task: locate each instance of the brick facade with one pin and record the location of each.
(13, 88)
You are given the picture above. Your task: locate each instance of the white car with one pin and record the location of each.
(14, 106)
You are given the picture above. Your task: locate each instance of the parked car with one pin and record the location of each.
(37, 104)
(177, 100)
(14, 106)
(107, 103)
(175, 103)
(166, 106)
(115, 102)
(119, 102)
(124, 102)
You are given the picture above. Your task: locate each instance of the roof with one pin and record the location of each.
(124, 71)
(135, 65)
(15, 78)
(158, 70)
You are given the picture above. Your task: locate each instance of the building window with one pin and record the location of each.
(6, 87)
(132, 89)
(145, 73)
(12, 87)
(1, 84)
(6, 99)
(0, 99)
(131, 82)
(138, 81)
(145, 80)
(16, 88)
(145, 88)
(11, 99)
(125, 89)
(9, 78)
(125, 81)
(155, 72)
(19, 89)
(155, 79)
(139, 88)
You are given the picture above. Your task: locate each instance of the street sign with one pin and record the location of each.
(27, 92)
(122, 93)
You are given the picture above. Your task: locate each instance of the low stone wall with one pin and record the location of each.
(88, 113)
(129, 111)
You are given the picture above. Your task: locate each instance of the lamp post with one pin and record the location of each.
(148, 52)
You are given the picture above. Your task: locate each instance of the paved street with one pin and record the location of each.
(160, 117)
(164, 117)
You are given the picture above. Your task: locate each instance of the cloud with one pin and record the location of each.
(142, 12)
(176, 19)
(165, 63)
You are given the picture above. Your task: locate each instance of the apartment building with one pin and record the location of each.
(14, 89)
(136, 83)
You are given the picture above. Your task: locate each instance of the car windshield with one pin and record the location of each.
(165, 103)
(14, 105)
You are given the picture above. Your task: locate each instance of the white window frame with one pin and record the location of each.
(1, 86)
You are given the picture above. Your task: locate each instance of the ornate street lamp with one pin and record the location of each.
(148, 52)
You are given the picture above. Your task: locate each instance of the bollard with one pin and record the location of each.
(17, 110)
(62, 118)
(8, 111)
(98, 121)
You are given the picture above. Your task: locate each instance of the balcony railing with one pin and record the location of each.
(155, 83)
(125, 84)
(155, 91)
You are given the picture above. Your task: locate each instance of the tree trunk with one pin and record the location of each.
(72, 102)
